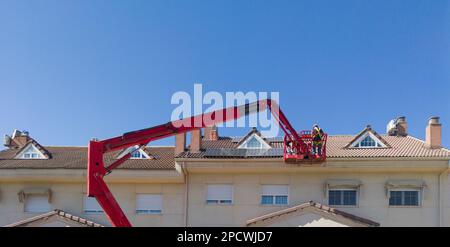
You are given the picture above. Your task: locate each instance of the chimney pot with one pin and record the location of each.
(214, 134)
(433, 120)
(7, 141)
(402, 126)
(211, 133)
(18, 139)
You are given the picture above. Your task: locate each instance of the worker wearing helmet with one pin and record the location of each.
(290, 147)
(317, 135)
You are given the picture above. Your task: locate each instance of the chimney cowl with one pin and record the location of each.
(401, 119)
(433, 120)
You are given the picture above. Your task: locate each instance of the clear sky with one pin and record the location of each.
(73, 70)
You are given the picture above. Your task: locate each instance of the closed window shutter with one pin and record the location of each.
(37, 204)
(91, 205)
(275, 190)
(148, 203)
(219, 192)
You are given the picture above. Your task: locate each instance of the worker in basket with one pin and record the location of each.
(317, 139)
(290, 147)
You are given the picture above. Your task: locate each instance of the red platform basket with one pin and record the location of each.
(305, 154)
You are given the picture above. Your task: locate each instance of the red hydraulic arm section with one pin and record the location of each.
(96, 186)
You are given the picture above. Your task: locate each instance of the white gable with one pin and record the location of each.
(137, 153)
(308, 220)
(30, 152)
(254, 141)
(368, 140)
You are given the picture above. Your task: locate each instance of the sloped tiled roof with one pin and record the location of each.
(314, 206)
(55, 213)
(398, 147)
(224, 148)
(76, 158)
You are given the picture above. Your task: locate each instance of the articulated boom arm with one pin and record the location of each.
(96, 186)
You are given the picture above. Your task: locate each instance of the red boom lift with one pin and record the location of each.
(96, 186)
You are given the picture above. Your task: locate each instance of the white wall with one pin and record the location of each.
(69, 197)
(373, 203)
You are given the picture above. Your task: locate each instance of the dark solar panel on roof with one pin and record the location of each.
(227, 152)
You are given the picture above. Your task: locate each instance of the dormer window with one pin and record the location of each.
(136, 153)
(30, 152)
(368, 140)
(30, 155)
(254, 142)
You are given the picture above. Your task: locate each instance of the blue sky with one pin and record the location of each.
(73, 70)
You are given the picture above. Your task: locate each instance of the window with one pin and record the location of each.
(91, 206)
(138, 155)
(31, 153)
(219, 194)
(404, 197)
(148, 204)
(37, 204)
(342, 197)
(254, 142)
(275, 195)
(368, 141)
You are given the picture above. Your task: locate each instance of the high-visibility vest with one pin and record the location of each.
(318, 130)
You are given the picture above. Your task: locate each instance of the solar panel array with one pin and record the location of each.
(244, 153)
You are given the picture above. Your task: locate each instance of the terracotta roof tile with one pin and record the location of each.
(76, 158)
(163, 157)
(336, 148)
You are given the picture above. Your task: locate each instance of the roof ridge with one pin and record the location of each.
(422, 141)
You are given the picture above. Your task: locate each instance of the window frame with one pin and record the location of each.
(370, 140)
(378, 142)
(219, 201)
(91, 212)
(149, 211)
(419, 197)
(141, 155)
(264, 144)
(274, 196)
(31, 153)
(25, 204)
(342, 197)
(134, 149)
